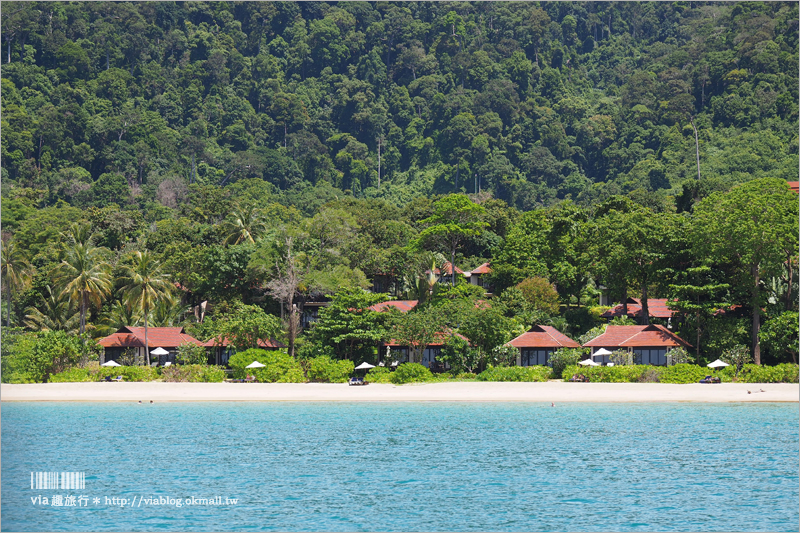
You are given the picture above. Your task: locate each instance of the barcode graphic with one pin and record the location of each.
(58, 480)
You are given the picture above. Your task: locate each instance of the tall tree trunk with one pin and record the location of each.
(645, 307)
(453, 267)
(625, 301)
(696, 146)
(8, 303)
(756, 317)
(146, 343)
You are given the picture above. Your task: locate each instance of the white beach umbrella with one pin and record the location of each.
(255, 364)
(159, 351)
(717, 364)
(364, 366)
(602, 351)
(111, 363)
(588, 362)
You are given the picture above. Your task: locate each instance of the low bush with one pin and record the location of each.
(682, 373)
(411, 373)
(466, 375)
(607, 374)
(783, 373)
(325, 369)
(379, 374)
(128, 373)
(71, 375)
(279, 367)
(193, 373)
(515, 373)
(564, 357)
(685, 373)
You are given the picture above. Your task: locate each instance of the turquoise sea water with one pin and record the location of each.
(405, 466)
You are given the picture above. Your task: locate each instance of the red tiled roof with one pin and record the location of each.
(795, 186)
(401, 305)
(121, 340)
(482, 269)
(440, 339)
(130, 336)
(447, 268)
(263, 343)
(636, 336)
(656, 307)
(543, 337)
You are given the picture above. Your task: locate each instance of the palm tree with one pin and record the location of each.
(119, 315)
(145, 285)
(244, 224)
(169, 311)
(86, 276)
(16, 272)
(57, 313)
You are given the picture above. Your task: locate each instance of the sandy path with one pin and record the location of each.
(462, 392)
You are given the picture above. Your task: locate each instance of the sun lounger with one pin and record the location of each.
(710, 379)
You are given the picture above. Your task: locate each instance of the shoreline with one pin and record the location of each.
(552, 391)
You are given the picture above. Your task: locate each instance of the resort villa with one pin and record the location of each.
(656, 308)
(538, 344)
(129, 337)
(649, 344)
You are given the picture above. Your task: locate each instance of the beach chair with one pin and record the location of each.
(117, 379)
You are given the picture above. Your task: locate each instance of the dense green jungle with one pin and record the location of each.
(163, 161)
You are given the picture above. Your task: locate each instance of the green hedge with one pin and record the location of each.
(72, 375)
(379, 374)
(684, 373)
(280, 366)
(783, 373)
(515, 373)
(411, 373)
(193, 374)
(326, 369)
(128, 373)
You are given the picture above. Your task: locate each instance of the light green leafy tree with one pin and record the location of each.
(750, 228)
(455, 218)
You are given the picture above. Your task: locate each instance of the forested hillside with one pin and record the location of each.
(270, 153)
(533, 102)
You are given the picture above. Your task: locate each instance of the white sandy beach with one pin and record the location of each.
(430, 392)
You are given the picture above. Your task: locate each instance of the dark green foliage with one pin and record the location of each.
(280, 367)
(379, 374)
(515, 373)
(327, 370)
(193, 373)
(560, 359)
(685, 373)
(410, 373)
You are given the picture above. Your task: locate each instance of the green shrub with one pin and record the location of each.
(608, 374)
(564, 357)
(466, 375)
(325, 369)
(193, 373)
(379, 374)
(74, 374)
(128, 373)
(411, 373)
(192, 354)
(515, 373)
(280, 366)
(683, 373)
(783, 373)
(33, 357)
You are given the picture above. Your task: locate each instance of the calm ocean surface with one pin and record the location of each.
(405, 466)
